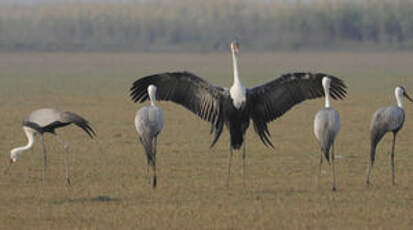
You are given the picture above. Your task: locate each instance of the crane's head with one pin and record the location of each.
(152, 92)
(13, 158)
(326, 82)
(14, 153)
(400, 92)
(234, 47)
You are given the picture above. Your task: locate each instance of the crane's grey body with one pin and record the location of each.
(386, 119)
(149, 123)
(326, 128)
(47, 120)
(44, 117)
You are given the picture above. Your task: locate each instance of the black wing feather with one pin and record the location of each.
(72, 118)
(271, 100)
(188, 90)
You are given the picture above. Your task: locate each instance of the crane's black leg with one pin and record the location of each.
(334, 168)
(393, 179)
(67, 160)
(244, 155)
(154, 162)
(229, 165)
(44, 158)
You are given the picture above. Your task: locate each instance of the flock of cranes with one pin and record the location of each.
(232, 108)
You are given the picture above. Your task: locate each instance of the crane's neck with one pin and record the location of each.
(235, 66)
(327, 97)
(152, 97)
(399, 99)
(237, 91)
(30, 142)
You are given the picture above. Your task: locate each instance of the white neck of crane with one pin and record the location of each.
(399, 97)
(152, 96)
(327, 97)
(14, 153)
(237, 91)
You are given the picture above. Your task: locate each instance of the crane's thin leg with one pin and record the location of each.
(392, 160)
(44, 159)
(371, 162)
(148, 163)
(334, 169)
(154, 162)
(319, 172)
(244, 155)
(229, 165)
(66, 148)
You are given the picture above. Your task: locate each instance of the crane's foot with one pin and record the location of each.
(154, 182)
(68, 182)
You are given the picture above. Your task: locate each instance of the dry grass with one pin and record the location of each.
(109, 188)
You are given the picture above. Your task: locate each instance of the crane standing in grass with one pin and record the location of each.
(387, 119)
(46, 120)
(149, 123)
(236, 106)
(326, 127)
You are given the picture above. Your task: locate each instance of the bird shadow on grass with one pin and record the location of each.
(97, 199)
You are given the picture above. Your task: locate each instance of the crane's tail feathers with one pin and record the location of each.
(326, 154)
(147, 145)
(80, 122)
(218, 131)
(261, 129)
(87, 129)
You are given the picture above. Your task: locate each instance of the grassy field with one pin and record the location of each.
(109, 189)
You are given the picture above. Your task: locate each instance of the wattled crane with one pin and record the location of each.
(387, 119)
(326, 127)
(46, 120)
(149, 123)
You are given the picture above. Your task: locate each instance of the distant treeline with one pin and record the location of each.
(208, 25)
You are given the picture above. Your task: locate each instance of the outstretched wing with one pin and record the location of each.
(271, 100)
(72, 118)
(188, 90)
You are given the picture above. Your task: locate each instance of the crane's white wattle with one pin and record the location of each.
(14, 153)
(398, 92)
(237, 90)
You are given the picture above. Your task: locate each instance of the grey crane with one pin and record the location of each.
(326, 127)
(234, 107)
(387, 119)
(149, 123)
(46, 120)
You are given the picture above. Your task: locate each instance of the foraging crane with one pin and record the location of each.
(235, 107)
(387, 119)
(326, 127)
(149, 123)
(46, 120)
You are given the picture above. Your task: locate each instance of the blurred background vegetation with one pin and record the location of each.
(185, 25)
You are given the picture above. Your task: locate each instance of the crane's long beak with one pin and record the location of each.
(8, 167)
(407, 96)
